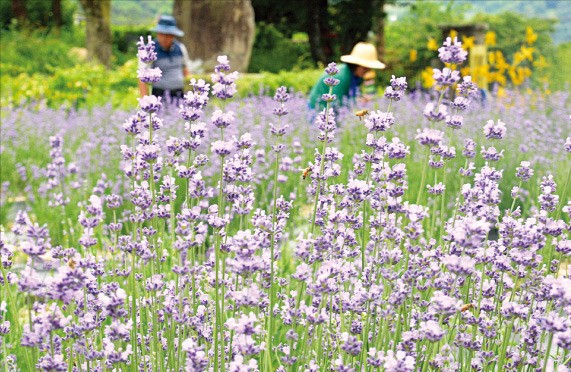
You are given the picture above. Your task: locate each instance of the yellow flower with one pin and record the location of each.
(541, 63)
(530, 36)
(465, 71)
(518, 58)
(490, 38)
(453, 34)
(467, 42)
(427, 79)
(492, 58)
(501, 92)
(413, 55)
(432, 44)
(527, 53)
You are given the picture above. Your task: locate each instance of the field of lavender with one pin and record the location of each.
(430, 233)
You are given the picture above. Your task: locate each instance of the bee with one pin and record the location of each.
(361, 113)
(71, 263)
(305, 172)
(466, 307)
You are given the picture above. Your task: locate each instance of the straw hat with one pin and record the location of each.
(364, 54)
(167, 25)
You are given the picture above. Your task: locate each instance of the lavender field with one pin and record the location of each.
(252, 234)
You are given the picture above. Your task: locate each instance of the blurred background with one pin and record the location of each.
(77, 53)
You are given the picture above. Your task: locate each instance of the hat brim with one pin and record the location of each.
(168, 30)
(362, 62)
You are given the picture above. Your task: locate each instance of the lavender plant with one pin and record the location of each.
(208, 249)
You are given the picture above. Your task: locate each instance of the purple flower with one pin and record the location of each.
(331, 81)
(332, 69)
(378, 121)
(444, 304)
(431, 330)
(469, 148)
(149, 75)
(524, 171)
(392, 94)
(150, 104)
(222, 119)
(452, 52)
(222, 148)
(146, 52)
(495, 130)
(351, 345)
(437, 189)
(459, 265)
(446, 77)
(491, 154)
(461, 103)
(467, 88)
(429, 137)
(435, 114)
(455, 121)
(398, 84)
(224, 84)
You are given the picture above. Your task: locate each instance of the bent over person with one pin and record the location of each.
(363, 58)
(172, 59)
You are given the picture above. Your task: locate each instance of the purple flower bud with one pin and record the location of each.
(452, 52)
(446, 77)
(495, 130)
(332, 69)
(435, 114)
(146, 53)
(149, 75)
(150, 104)
(379, 121)
(524, 171)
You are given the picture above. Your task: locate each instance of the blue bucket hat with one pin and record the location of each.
(167, 25)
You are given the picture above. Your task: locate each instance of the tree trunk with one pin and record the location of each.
(98, 31)
(214, 27)
(379, 26)
(316, 29)
(56, 11)
(19, 10)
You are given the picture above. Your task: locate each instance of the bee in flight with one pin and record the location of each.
(466, 307)
(361, 113)
(305, 172)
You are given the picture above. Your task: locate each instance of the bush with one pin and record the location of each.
(273, 52)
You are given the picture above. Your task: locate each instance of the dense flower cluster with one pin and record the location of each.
(212, 249)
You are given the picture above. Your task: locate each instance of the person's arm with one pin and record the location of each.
(186, 61)
(143, 90)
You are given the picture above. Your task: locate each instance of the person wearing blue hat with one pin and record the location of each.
(172, 59)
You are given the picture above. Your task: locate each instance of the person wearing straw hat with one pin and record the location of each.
(363, 58)
(172, 59)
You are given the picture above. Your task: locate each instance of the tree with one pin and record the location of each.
(333, 27)
(19, 10)
(213, 28)
(56, 10)
(98, 30)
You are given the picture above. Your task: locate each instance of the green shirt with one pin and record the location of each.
(341, 90)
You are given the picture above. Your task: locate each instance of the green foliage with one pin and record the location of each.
(510, 32)
(559, 71)
(274, 52)
(138, 12)
(125, 41)
(39, 13)
(425, 19)
(553, 9)
(38, 51)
